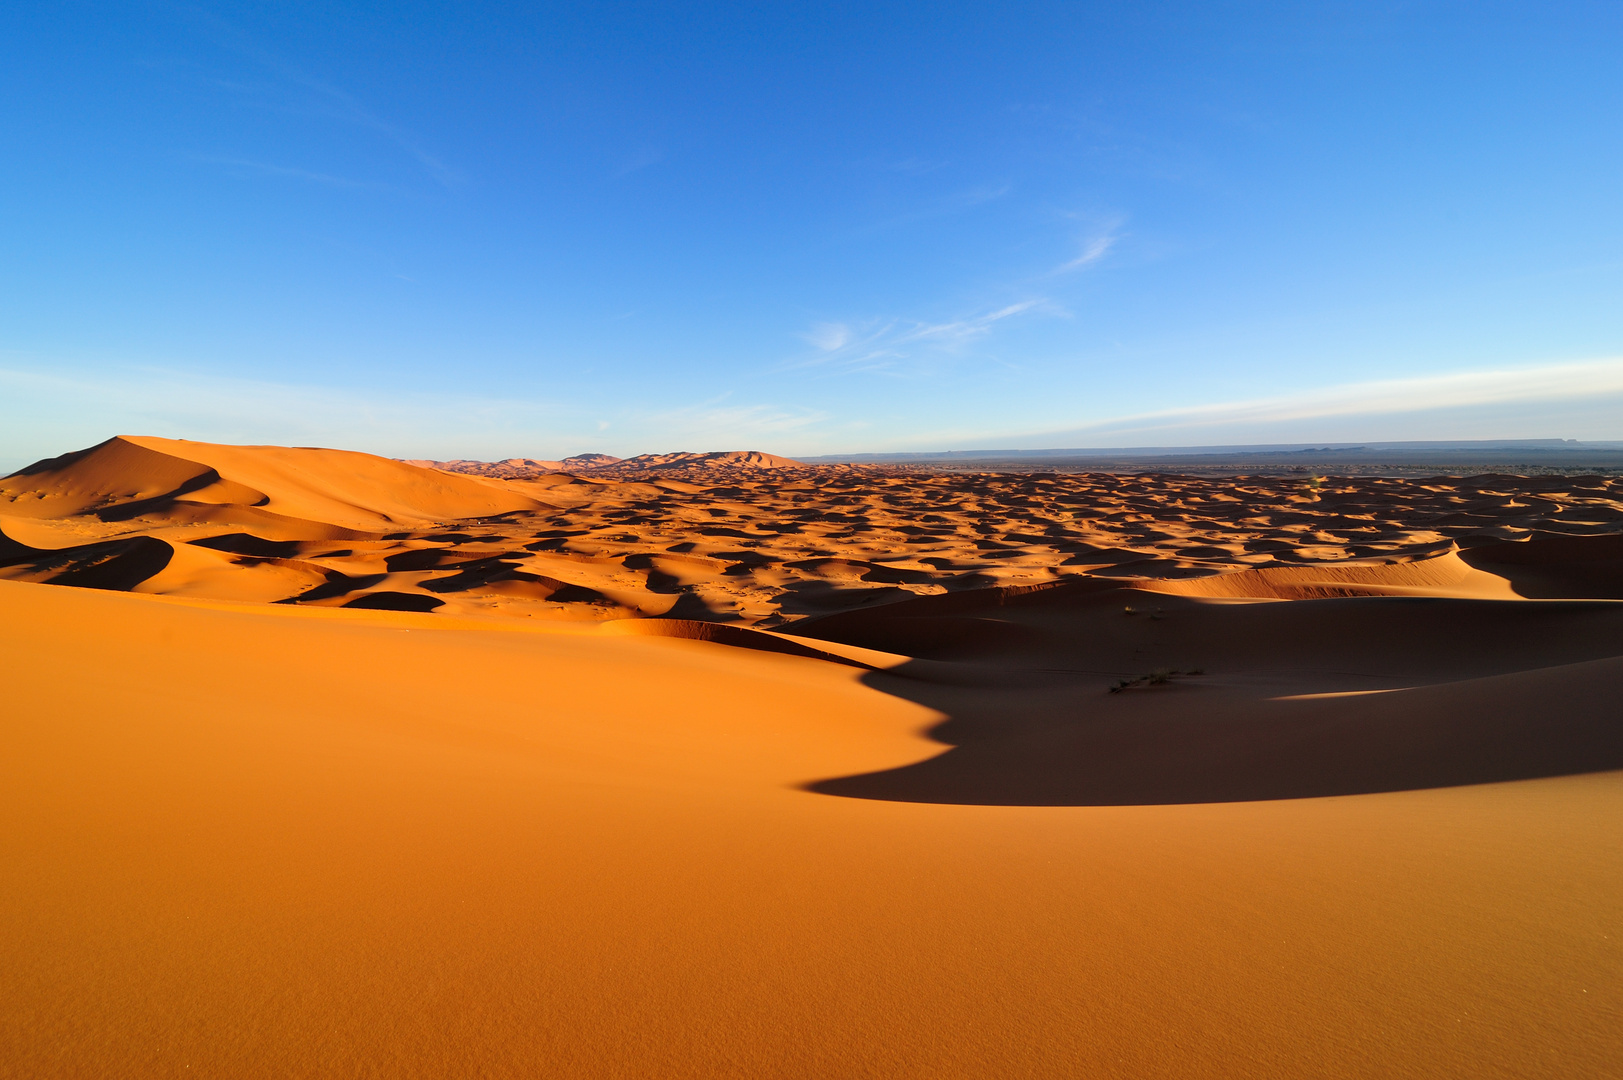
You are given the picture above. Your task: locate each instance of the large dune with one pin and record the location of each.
(130, 477)
(819, 773)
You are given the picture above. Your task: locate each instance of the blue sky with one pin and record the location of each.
(461, 230)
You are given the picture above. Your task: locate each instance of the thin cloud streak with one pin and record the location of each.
(1095, 247)
(1095, 250)
(1574, 381)
(351, 109)
(337, 103)
(877, 346)
(287, 171)
(966, 328)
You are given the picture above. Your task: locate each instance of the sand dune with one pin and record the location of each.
(143, 478)
(742, 542)
(781, 771)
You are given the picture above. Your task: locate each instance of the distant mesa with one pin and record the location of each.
(519, 468)
(721, 459)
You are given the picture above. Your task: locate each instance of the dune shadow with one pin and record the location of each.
(112, 565)
(1305, 699)
(1183, 744)
(395, 601)
(1548, 567)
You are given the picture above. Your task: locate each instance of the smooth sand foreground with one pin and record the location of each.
(261, 841)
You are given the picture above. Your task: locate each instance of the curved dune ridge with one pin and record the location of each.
(1435, 575)
(744, 771)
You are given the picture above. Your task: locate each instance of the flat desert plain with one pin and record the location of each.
(719, 766)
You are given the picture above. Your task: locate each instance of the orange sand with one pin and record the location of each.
(1375, 836)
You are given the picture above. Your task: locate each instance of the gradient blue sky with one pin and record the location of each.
(431, 229)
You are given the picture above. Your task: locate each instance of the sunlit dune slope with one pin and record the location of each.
(131, 476)
(146, 514)
(1437, 575)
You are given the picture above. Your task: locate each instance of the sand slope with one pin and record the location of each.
(351, 843)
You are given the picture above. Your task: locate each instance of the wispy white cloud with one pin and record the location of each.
(319, 97)
(963, 329)
(346, 107)
(1511, 387)
(1101, 238)
(266, 169)
(48, 410)
(1092, 252)
(882, 345)
(828, 337)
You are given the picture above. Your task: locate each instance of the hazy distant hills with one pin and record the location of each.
(518, 468)
(1459, 456)
(1511, 454)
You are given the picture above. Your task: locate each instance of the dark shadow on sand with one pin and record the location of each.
(1536, 691)
(1555, 722)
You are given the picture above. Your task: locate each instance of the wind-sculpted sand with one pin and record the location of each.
(733, 767)
(758, 541)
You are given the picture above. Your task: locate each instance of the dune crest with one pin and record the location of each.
(1435, 575)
